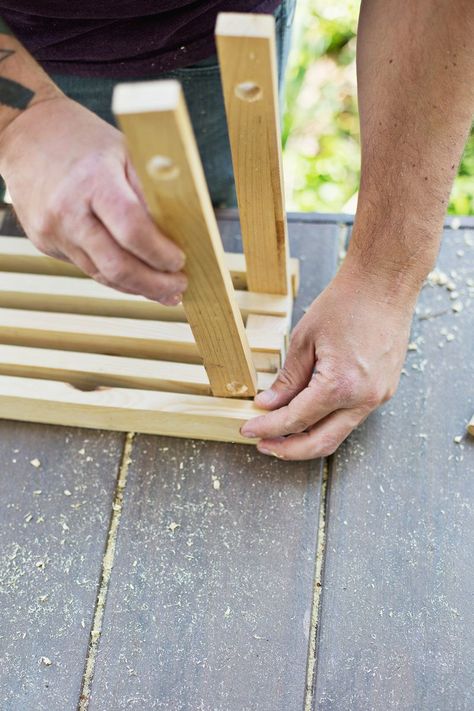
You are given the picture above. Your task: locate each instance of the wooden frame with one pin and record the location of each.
(75, 352)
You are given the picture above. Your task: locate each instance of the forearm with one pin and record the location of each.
(416, 99)
(22, 81)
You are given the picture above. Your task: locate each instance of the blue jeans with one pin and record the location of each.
(202, 88)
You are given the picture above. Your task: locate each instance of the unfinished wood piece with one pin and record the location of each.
(18, 254)
(273, 325)
(126, 337)
(124, 409)
(470, 427)
(247, 58)
(86, 296)
(154, 118)
(88, 371)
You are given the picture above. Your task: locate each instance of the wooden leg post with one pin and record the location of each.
(247, 58)
(155, 121)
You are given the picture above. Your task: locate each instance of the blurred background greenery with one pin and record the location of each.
(320, 123)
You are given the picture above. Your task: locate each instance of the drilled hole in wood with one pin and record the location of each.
(235, 388)
(162, 168)
(248, 91)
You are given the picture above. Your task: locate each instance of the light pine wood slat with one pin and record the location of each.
(86, 296)
(20, 255)
(154, 118)
(125, 409)
(247, 58)
(91, 370)
(124, 337)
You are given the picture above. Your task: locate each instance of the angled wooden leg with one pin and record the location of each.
(247, 58)
(155, 121)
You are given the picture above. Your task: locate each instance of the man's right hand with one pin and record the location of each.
(78, 199)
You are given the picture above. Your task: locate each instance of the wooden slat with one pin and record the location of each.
(88, 371)
(247, 58)
(124, 337)
(154, 118)
(85, 296)
(397, 620)
(20, 255)
(125, 409)
(56, 492)
(270, 324)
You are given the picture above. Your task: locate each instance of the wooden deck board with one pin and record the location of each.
(210, 598)
(56, 490)
(397, 619)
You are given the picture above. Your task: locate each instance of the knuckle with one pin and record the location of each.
(296, 422)
(115, 270)
(285, 378)
(299, 337)
(344, 388)
(375, 396)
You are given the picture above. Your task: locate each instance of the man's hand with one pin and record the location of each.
(344, 360)
(416, 99)
(78, 199)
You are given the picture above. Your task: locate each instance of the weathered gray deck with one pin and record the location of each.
(242, 583)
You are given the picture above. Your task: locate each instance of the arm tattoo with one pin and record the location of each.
(4, 29)
(12, 94)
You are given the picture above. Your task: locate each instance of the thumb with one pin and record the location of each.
(293, 377)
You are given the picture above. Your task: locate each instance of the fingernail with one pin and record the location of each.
(266, 397)
(179, 263)
(172, 300)
(247, 433)
(264, 450)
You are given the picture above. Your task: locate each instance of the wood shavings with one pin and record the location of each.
(457, 439)
(66, 492)
(35, 463)
(457, 307)
(216, 483)
(45, 661)
(173, 526)
(412, 346)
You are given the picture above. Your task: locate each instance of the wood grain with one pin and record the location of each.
(247, 59)
(89, 371)
(163, 340)
(125, 409)
(85, 296)
(20, 255)
(160, 139)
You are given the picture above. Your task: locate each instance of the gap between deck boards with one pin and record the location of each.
(105, 575)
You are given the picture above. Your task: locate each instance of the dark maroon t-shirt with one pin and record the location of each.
(119, 38)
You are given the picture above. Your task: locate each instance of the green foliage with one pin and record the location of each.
(320, 125)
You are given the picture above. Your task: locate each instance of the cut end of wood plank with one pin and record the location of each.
(143, 96)
(239, 24)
